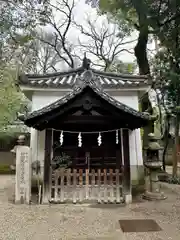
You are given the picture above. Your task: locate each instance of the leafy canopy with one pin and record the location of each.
(17, 23)
(11, 100)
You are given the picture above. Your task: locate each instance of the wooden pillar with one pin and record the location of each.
(47, 166)
(127, 173)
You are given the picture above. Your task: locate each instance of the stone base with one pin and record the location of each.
(22, 201)
(128, 198)
(153, 196)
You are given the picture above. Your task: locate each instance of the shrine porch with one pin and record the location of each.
(96, 173)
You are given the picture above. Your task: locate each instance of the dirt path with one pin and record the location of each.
(35, 222)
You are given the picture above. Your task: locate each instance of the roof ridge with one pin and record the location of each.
(123, 75)
(55, 74)
(81, 70)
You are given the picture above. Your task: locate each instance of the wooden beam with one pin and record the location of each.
(89, 119)
(84, 127)
(92, 123)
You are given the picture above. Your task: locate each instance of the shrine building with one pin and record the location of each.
(91, 118)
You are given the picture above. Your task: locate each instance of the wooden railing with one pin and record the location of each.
(79, 185)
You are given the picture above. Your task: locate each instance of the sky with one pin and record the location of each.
(81, 11)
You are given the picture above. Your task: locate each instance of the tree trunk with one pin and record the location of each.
(166, 138)
(177, 118)
(164, 151)
(176, 145)
(164, 155)
(141, 52)
(140, 49)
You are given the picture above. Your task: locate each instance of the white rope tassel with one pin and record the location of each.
(61, 138)
(79, 140)
(92, 132)
(117, 137)
(99, 139)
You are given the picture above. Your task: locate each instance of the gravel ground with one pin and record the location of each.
(90, 222)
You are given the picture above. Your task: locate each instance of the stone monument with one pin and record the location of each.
(23, 171)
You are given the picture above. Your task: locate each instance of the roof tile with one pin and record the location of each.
(68, 79)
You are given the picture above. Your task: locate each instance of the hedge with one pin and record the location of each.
(5, 169)
(171, 180)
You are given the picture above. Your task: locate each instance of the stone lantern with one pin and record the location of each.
(153, 166)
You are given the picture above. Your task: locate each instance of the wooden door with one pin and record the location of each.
(80, 158)
(105, 156)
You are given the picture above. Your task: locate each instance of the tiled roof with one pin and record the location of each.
(69, 78)
(81, 85)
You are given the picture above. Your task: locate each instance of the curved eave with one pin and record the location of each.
(137, 123)
(141, 117)
(136, 119)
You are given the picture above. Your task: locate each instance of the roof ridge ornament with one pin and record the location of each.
(88, 78)
(23, 78)
(86, 62)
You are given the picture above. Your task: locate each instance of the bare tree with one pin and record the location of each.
(52, 49)
(105, 42)
(47, 59)
(60, 21)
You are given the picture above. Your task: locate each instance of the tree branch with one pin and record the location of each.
(61, 30)
(103, 42)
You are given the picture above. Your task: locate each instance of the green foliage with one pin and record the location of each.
(161, 18)
(11, 99)
(119, 9)
(5, 169)
(8, 136)
(17, 23)
(158, 12)
(171, 180)
(166, 78)
(120, 12)
(122, 67)
(174, 180)
(62, 161)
